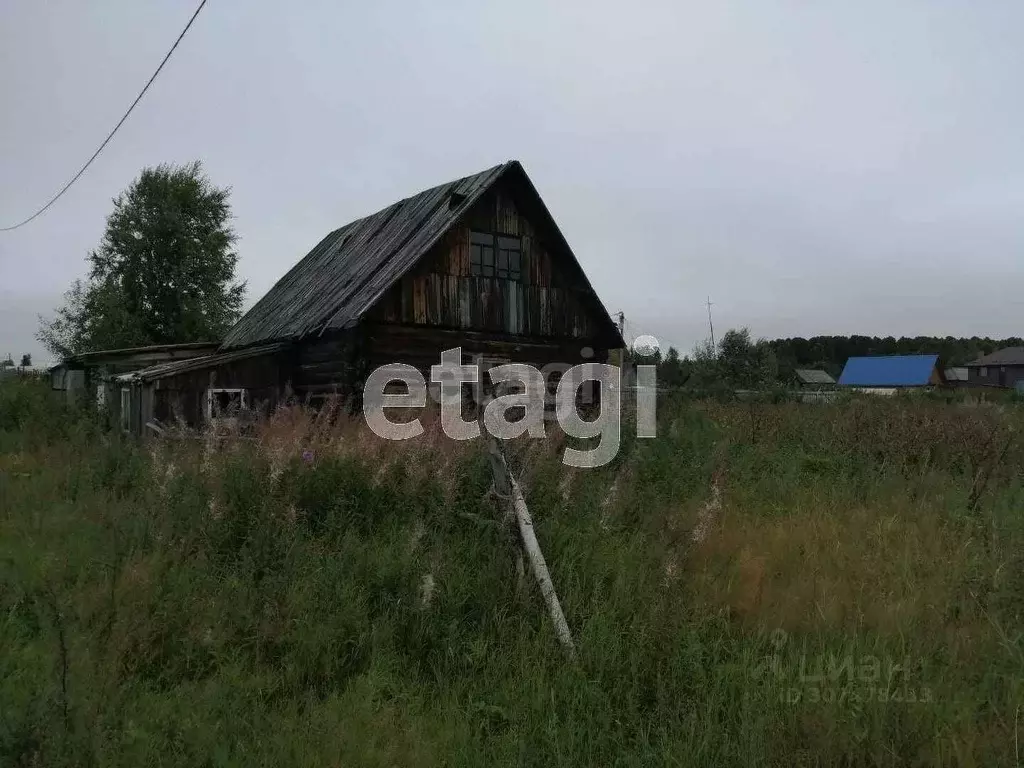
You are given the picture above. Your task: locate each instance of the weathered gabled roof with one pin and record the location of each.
(350, 269)
(813, 376)
(1004, 356)
(353, 265)
(889, 371)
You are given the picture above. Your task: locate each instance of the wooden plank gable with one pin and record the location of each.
(552, 299)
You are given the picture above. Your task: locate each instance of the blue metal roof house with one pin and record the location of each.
(892, 372)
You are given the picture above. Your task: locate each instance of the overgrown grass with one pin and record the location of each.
(317, 597)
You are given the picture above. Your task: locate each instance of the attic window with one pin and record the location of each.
(495, 256)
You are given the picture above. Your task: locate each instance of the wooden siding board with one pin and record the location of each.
(465, 289)
(327, 364)
(419, 310)
(183, 395)
(422, 347)
(507, 215)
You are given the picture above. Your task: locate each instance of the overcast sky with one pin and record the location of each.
(814, 167)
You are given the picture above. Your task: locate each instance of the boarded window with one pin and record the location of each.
(495, 256)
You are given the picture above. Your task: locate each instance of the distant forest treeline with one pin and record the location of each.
(830, 353)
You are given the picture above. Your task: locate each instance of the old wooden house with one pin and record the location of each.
(478, 263)
(88, 376)
(1004, 368)
(813, 379)
(888, 374)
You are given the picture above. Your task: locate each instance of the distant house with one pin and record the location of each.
(809, 378)
(890, 373)
(957, 377)
(477, 263)
(1003, 368)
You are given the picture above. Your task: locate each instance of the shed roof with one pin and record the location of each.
(176, 367)
(959, 373)
(154, 351)
(813, 376)
(889, 371)
(348, 271)
(1004, 356)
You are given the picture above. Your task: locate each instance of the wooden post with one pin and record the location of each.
(145, 406)
(507, 487)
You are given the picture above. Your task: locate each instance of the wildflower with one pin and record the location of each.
(307, 456)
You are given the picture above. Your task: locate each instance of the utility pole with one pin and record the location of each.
(711, 325)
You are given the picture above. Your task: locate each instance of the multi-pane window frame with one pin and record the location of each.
(492, 254)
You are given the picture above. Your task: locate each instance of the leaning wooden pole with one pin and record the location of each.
(507, 487)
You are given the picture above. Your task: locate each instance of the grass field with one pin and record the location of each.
(763, 584)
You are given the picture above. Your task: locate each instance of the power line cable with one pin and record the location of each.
(106, 141)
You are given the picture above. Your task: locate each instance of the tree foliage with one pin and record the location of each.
(736, 362)
(673, 371)
(745, 363)
(163, 273)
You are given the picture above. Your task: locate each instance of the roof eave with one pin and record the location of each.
(464, 206)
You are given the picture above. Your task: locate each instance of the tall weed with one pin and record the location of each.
(318, 596)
